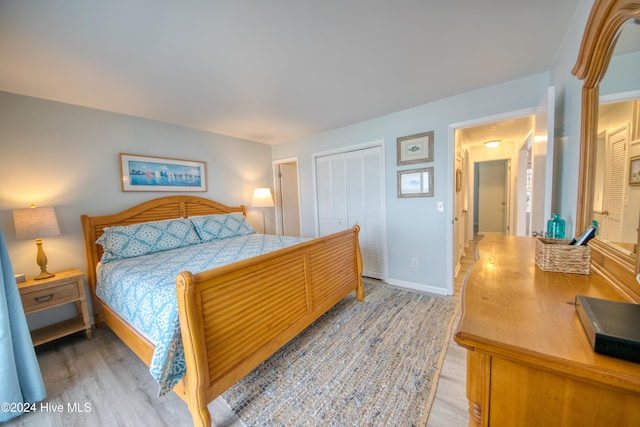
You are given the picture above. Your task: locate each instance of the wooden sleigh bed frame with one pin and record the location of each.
(276, 295)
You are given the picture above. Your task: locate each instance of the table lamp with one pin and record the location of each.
(262, 199)
(36, 223)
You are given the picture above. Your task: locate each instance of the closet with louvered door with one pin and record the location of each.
(350, 190)
(615, 181)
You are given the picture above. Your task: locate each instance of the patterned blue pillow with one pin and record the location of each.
(221, 226)
(129, 241)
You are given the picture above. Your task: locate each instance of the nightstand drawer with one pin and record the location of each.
(44, 298)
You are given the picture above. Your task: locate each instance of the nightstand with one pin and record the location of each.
(64, 288)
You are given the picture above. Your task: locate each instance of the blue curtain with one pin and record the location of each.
(20, 377)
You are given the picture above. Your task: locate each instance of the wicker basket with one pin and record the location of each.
(559, 256)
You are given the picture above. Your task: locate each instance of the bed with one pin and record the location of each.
(234, 316)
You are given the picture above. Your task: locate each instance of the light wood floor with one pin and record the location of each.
(102, 383)
(450, 407)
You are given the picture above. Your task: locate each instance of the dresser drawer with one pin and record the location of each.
(40, 299)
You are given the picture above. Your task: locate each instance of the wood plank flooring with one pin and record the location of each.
(109, 383)
(102, 383)
(450, 407)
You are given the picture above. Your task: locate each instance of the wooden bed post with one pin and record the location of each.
(192, 328)
(359, 267)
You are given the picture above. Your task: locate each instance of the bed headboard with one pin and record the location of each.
(154, 210)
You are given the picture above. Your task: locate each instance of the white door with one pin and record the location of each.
(350, 191)
(289, 205)
(459, 213)
(373, 232)
(523, 191)
(614, 181)
(332, 194)
(492, 197)
(506, 211)
(542, 163)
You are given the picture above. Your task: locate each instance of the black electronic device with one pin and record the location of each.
(589, 234)
(613, 327)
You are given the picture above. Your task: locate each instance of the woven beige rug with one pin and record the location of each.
(374, 363)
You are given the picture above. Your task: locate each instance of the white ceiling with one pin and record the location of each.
(271, 70)
(511, 131)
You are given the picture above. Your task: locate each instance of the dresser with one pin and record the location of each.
(529, 362)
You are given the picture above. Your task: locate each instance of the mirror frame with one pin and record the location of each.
(598, 43)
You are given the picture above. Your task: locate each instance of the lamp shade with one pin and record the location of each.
(262, 198)
(33, 223)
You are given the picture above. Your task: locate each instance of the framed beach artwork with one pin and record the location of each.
(415, 182)
(415, 148)
(634, 171)
(150, 173)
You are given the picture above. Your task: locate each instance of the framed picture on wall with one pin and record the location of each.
(415, 182)
(150, 173)
(415, 148)
(634, 171)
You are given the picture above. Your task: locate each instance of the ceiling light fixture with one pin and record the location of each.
(492, 144)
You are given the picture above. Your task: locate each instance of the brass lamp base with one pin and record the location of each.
(44, 274)
(41, 259)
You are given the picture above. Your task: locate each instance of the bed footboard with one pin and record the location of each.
(234, 317)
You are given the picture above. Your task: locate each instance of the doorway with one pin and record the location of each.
(615, 182)
(491, 201)
(287, 197)
(525, 138)
(513, 136)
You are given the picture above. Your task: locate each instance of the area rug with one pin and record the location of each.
(373, 363)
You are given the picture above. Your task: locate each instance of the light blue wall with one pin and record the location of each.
(622, 75)
(567, 119)
(569, 107)
(414, 227)
(55, 154)
(67, 156)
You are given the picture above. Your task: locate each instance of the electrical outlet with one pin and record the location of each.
(440, 206)
(414, 262)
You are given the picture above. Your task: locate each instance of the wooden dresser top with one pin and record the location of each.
(512, 309)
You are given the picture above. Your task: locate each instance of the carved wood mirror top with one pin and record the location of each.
(602, 32)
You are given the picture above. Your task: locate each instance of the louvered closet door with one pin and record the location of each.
(332, 194)
(363, 192)
(374, 213)
(615, 183)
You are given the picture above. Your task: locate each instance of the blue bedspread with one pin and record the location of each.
(142, 290)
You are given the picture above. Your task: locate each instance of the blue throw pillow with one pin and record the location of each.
(129, 241)
(221, 226)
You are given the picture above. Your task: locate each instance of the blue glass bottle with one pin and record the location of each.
(556, 227)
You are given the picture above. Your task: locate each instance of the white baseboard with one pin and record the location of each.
(417, 287)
